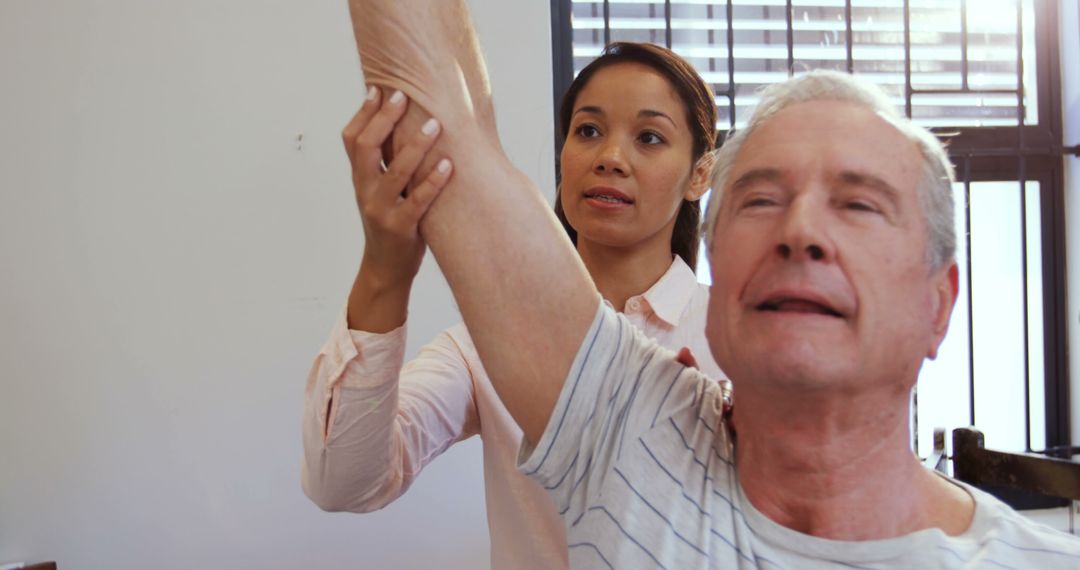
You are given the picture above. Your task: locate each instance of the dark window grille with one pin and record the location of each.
(992, 91)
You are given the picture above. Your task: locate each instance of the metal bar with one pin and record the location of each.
(1023, 215)
(731, 61)
(849, 36)
(595, 32)
(766, 14)
(607, 23)
(937, 460)
(970, 288)
(963, 44)
(1027, 339)
(1048, 42)
(652, 31)
(1060, 451)
(907, 58)
(790, 15)
(915, 416)
(667, 23)
(1020, 76)
(712, 35)
(562, 60)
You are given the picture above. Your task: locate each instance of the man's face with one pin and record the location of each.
(820, 277)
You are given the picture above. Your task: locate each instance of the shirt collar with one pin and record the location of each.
(671, 294)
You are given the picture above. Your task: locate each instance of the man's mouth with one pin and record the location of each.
(797, 305)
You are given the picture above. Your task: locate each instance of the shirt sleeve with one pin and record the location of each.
(370, 424)
(620, 385)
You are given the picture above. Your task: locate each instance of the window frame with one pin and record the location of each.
(980, 152)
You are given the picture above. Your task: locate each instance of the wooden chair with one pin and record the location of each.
(1023, 480)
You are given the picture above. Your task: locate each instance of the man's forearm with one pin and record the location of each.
(428, 49)
(522, 291)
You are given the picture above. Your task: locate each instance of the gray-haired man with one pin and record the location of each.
(833, 279)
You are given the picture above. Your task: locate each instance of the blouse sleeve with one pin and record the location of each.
(370, 424)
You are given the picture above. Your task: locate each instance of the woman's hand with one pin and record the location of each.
(686, 358)
(393, 247)
(392, 200)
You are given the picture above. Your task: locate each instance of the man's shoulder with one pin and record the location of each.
(998, 527)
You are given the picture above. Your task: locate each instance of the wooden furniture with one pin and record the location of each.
(1023, 480)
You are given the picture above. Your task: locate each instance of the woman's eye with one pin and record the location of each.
(587, 131)
(649, 137)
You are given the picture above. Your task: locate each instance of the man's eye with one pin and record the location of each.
(860, 206)
(758, 202)
(587, 131)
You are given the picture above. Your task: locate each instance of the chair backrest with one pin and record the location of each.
(1023, 480)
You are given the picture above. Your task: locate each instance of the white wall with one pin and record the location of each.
(171, 259)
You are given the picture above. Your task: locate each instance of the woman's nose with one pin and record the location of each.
(611, 160)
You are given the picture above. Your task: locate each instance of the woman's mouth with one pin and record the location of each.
(607, 197)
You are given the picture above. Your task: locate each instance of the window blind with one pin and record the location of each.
(947, 63)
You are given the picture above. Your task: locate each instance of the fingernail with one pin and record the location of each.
(430, 127)
(443, 166)
(372, 93)
(397, 97)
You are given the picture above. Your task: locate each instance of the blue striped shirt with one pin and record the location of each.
(638, 460)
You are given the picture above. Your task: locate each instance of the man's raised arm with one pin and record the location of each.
(523, 292)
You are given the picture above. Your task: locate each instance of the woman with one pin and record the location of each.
(639, 127)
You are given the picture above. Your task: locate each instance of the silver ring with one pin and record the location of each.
(382, 167)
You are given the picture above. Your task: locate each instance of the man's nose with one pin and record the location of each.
(804, 234)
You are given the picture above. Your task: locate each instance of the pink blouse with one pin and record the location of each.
(371, 424)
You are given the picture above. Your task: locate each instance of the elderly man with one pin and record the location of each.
(833, 278)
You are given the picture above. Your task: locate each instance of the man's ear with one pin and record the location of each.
(700, 177)
(947, 285)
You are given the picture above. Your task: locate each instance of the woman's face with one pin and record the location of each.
(627, 160)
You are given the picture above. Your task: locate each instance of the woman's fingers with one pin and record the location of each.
(418, 201)
(360, 120)
(686, 357)
(403, 168)
(380, 192)
(367, 145)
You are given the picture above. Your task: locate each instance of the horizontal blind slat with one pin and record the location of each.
(820, 31)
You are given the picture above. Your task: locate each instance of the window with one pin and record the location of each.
(984, 76)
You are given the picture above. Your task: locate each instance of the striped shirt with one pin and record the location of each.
(638, 460)
(372, 425)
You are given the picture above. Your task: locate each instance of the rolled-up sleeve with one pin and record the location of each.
(371, 424)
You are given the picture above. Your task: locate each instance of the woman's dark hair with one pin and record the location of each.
(700, 105)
